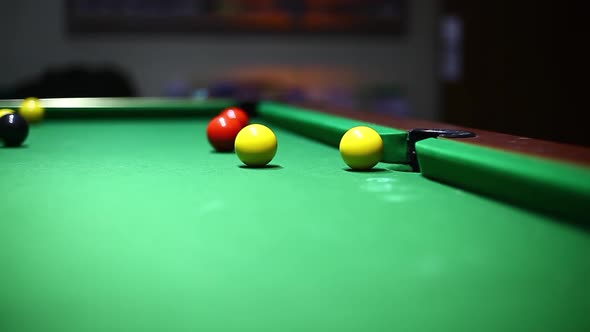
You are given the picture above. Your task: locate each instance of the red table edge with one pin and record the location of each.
(530, 146)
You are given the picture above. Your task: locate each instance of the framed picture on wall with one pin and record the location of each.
(371, 17)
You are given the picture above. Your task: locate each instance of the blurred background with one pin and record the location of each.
(513, 67)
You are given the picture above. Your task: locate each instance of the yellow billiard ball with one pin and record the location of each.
(32, 110)
(5, 111)
(361, 148)
(256, 145)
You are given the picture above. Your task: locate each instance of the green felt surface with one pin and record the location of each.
(121, 225)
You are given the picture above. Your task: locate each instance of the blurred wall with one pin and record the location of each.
(33, 38)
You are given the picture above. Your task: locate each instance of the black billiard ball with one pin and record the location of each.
(14, 129)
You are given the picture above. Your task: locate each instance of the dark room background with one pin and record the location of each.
(515, 69)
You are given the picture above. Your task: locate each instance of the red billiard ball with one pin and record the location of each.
(238, 114)
(222, 132)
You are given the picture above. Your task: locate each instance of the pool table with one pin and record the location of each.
(117, 215)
